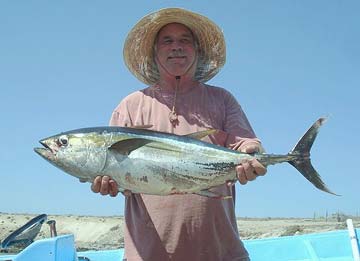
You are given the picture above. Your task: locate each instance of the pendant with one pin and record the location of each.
(173, 118)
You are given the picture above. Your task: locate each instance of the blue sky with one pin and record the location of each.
(288, 63)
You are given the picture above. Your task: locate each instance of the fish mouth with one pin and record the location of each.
(45, 152)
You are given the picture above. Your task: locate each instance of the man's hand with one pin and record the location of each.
(105, 185)
(250, 169)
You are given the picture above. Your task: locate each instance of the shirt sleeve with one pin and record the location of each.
(121, 115)
(236, 125)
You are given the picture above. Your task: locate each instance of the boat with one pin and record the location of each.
(341, 245)
(25, 235)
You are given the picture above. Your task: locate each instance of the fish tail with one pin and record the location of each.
(301, 153)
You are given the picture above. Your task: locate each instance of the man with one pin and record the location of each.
(175, 52)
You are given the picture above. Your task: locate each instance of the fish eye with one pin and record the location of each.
(63, 140)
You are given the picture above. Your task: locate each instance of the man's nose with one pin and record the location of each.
(176, 46)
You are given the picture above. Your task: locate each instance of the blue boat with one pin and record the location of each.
(339, 245)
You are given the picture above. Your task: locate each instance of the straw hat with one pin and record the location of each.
(139, 52)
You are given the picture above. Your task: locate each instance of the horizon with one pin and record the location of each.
(331, 216)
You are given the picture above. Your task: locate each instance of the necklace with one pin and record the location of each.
(173, 117)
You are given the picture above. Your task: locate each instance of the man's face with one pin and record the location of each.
(175, 50)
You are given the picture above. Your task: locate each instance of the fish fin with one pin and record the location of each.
(165, 146)
(141, 126)
(83, 180)
(201, 134)
(302, 162)
(209, 194)
(125, 147)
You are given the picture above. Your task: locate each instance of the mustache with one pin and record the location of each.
(177, 53)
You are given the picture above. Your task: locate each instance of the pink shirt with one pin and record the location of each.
(184, 227)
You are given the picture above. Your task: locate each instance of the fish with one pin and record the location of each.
(158, 163)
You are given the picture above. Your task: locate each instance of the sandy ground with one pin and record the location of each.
(107, 232)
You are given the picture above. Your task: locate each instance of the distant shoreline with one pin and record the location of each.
(122, 216)
(107, 232)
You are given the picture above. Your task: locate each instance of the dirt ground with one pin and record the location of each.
(107, 232)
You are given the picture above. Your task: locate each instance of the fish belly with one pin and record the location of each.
(163, 174)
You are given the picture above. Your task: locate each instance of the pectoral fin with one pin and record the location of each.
(83, 180)
(125, 147)
(201, 134)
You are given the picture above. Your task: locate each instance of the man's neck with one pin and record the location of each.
(170, 83)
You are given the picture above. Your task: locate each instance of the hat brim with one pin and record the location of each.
(138, 48)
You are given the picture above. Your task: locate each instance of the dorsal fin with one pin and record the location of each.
(140, 126)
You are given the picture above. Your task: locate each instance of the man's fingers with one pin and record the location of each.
(251, 148)
(241, 174)
(249, 171)
(105, 185)
(114, 190)
(104, 188)
(258, 167)
(95, 186)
